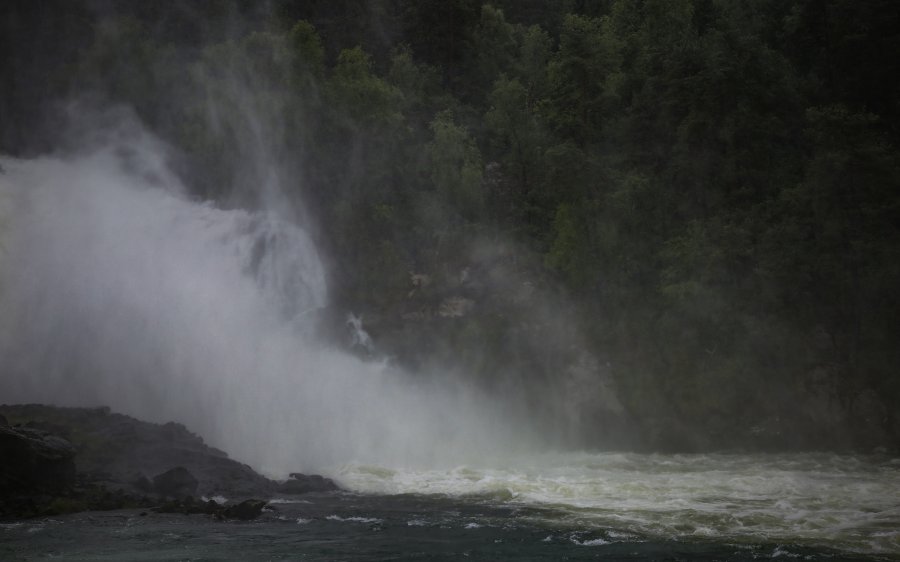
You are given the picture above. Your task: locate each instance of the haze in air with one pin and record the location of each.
(620, 273)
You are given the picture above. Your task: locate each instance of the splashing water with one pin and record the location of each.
(120, 290)
(359, 337)
(844, 502)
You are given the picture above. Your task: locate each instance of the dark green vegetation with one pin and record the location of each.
(706, 192)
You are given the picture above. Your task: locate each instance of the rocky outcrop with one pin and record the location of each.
(59, 460)
(175, 483)
(34, 461)
(244, 511)
(305, 484)
(120, 452)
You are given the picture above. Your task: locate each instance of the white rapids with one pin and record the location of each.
(847, 503)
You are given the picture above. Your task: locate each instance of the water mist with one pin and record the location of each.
(119, 290)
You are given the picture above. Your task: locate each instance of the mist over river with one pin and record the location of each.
(120, 290)
(473, 265)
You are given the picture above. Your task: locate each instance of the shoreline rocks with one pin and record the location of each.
(175, 483)
(243, 511)
(56, 460)
(305, 484)
(34, 461)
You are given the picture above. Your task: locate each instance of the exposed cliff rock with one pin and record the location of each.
(34, 461)
(119, 451)
(304, 484)
(175, 483)
(491, 315)
(58, 460)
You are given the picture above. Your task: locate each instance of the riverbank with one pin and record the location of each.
(63, 460)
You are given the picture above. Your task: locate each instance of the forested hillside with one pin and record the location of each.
(692, 205)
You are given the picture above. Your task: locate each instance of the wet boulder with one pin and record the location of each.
(306, 483)
(177, 482)
(246, 510)
(32, 460)
(115, 450)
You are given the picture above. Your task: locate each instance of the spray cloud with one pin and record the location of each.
(120, 290)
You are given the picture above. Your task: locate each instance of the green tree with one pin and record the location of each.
(835, 245)
(582, 76)
(493, 48)
(456, 166)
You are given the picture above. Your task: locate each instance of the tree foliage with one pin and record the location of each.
(716, 184)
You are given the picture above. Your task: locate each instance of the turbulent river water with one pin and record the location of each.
(609, 506)
(847, 503)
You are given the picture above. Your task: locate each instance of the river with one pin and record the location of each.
(575, 506)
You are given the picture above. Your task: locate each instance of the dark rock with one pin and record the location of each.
(41, 474)
(246, 510)
(143, 484)
(54, 428)
(304, 484)
(32, 461)
(177, 433)
(177, 482)
(114, 449)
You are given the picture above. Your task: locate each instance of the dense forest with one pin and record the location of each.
(689, 210)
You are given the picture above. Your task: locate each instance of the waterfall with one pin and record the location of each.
(118, 289)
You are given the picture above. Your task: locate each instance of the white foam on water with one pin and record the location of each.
(354, 519)
(221, 500)
(591, 542)
(781, 551)
(843, 502)
(287, 501)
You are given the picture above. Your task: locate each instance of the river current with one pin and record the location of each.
(848, 503)
(609, 506)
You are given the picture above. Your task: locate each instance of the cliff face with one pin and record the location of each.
(491, 318)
